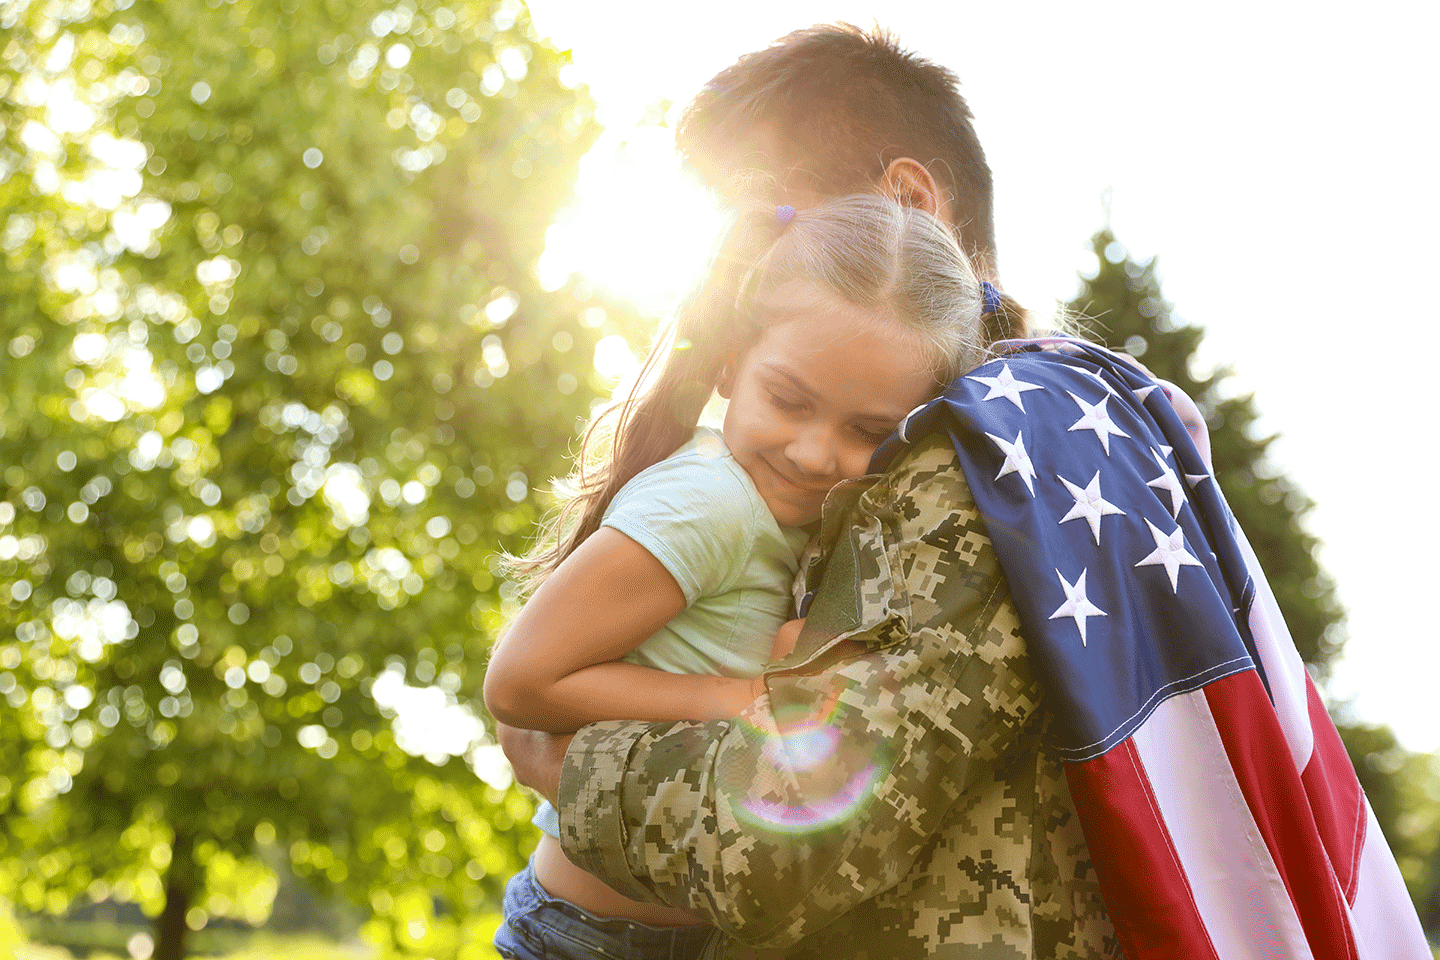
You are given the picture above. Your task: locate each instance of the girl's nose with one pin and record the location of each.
(813, 452)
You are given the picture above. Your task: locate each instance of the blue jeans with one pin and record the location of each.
(538, 926)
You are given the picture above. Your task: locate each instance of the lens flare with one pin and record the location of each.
(802, 748)
(815, 814)
(817, 778)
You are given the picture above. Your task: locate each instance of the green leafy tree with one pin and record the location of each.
(277, 374)
(1126, 309)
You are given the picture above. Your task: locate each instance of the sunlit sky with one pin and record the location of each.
(1278, 158)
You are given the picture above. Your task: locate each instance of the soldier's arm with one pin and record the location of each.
(823, 793)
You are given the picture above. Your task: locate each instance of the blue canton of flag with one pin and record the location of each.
(1091, 515)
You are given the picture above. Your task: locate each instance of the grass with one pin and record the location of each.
(108, 941)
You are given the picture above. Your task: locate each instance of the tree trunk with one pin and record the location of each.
(181, 884)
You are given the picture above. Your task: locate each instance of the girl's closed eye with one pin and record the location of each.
(874, 436)
(785, 404)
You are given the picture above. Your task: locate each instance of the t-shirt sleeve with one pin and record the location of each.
(692, 514)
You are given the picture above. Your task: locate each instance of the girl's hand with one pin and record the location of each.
(785, 638)
(731, 698)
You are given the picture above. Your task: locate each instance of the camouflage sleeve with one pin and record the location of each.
(825, 791)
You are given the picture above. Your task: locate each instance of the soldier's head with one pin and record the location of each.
(832, 110)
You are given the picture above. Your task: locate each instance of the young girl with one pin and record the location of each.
(659, 590)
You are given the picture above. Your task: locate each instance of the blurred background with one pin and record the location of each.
(303, 301)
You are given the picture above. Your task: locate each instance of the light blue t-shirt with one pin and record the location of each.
(699, 514)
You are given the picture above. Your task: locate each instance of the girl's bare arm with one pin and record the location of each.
(557, 669)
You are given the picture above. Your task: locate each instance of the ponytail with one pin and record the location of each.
(1008, 321)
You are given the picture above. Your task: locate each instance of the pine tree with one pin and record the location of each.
(1125, 309)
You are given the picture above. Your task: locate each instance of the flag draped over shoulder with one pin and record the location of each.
(1222, 813)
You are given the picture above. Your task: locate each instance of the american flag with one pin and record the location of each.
(1222, 813)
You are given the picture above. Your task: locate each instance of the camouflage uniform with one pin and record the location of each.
(898, 803)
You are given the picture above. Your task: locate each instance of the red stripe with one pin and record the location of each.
(1145, 889)
(1335, 796)
(1278, 801)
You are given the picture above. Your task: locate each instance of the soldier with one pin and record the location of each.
(913, 800)
(883, 878)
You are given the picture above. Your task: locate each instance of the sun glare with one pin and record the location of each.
(638, 229)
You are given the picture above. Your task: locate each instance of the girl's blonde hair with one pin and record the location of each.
(866, 250)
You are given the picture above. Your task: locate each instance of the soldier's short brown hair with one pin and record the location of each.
(838, 104)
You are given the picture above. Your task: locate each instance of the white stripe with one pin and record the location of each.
(1239, 893)
(1284, 670)
(1386, 927)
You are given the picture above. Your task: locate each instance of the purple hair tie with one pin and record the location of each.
(783, 215)
(991, 295)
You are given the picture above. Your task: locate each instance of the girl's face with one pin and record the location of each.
(814, 396)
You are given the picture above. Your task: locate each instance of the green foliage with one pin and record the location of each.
(11, 936)
(1125, 304)
(277, 375)
(1404, 791)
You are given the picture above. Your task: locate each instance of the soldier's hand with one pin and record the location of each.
(536, 757)
(785, 638)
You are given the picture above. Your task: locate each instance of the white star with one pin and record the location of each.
(1016, 459)
(1077, 606)
(1097, 418)
(1144, 392)
(1169, 482)
(1170, 553)
(1089, 505)
(904, 424)
(1195, 479)
(1006, 386)
(1167, 451)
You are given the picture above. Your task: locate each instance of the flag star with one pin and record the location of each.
(1167, 451)
(1016, 459)
(1077, 606)
(1195, 479)
(905, 424)
(1167, 481)
(1095, 375)
(1095, 417)
(1170, 553)
(1144, 392)
(1089, 504)
(1006, 386)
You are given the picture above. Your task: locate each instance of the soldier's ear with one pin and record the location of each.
(909, 182)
